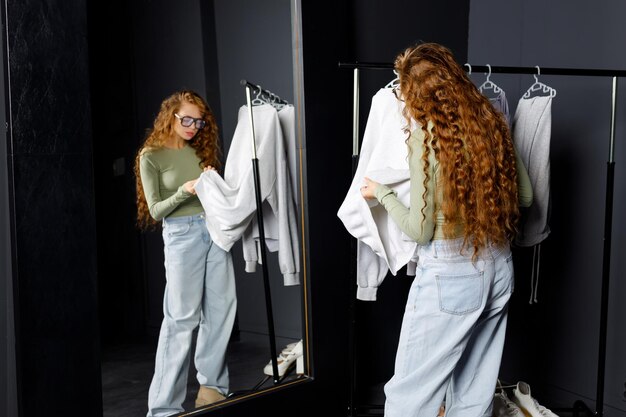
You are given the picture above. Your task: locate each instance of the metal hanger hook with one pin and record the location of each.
(489, 73)
(469, 67)
(538, 73)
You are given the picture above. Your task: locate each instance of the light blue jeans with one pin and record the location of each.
(200, 292)
(452, 332)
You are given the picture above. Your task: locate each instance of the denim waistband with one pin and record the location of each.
(185, 219)
(454, 249)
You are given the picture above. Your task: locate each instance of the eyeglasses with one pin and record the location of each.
(187, 121)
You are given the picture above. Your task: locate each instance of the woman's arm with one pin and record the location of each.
(416, 223)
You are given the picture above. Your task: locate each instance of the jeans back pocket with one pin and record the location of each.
(460, 294)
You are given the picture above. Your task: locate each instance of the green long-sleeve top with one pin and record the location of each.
(163, 173)
(418, 221)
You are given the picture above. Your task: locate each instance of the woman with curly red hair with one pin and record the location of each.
(466, 186)
(200, 288)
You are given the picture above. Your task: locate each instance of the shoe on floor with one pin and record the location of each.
(504, 407)
(529, 405)
(208, 396)
(286, 359)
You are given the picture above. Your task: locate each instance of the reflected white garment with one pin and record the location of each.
(381, 246)
(287, 117)
(230, 202)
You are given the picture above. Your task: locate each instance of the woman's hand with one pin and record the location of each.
(189, 186)
(209, 168)
(368, 191)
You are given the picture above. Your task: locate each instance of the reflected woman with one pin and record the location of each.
(200, 288)
(466, 184)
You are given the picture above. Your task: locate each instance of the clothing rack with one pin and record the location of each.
(259, 210)
(579, 405)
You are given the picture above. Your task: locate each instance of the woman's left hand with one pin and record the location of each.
(368, 191)
(209, 168)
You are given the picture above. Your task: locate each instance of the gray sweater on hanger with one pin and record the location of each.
(532, 126)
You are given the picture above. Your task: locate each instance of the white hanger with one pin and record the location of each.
(258, 100)
(470, 68)
(488, 84)
(539, 87)
(395, 82)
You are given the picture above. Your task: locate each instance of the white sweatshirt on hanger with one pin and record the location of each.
(287, 117)
(230, 202)
(532, 126)
(381, 246)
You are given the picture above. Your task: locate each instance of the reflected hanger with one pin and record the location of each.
(258, 100)
(488, 84)
(267, 97)
(539, 87)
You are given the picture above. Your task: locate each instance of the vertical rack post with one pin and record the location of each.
(353, 254)
(606, 259)
(263, 257)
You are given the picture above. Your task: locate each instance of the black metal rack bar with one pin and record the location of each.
(579, 405)
(503, 69)
(259, 210)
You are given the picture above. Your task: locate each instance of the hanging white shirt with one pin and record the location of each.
(381, 246)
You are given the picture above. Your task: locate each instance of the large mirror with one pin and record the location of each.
(153, 49)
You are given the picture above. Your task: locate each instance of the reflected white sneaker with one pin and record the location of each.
(504, 407)
(529, 405)
(286, 360)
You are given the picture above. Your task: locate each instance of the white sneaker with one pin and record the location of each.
(529, 405)
(504, 407)
(286, 359)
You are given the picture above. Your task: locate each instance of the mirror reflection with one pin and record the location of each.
(186, 322)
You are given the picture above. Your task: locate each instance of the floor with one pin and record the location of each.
(127, 371)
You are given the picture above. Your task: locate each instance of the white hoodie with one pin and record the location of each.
(230, 202)
(381, 246)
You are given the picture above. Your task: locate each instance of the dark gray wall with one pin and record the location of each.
(254, 43)
(553, 345)
(167, 57)
(8, 380)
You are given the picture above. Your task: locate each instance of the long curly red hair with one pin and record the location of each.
(471, 142)
(205, 143)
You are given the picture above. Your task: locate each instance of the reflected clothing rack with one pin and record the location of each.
(272, 98)
(579, 405)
